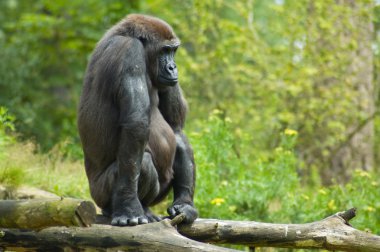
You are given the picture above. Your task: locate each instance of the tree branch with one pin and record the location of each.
(351, 135)
(331, 233)
(159, 236)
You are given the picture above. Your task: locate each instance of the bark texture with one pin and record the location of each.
(39, 214)
(332, 233)
(159, 236)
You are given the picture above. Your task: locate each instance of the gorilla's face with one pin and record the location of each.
(167, 69)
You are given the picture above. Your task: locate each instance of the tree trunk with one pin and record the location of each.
(343, 101)
(38, 214)
(356, 151)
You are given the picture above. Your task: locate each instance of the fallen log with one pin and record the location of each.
(332, 233)
(42, 213)
(159, 236)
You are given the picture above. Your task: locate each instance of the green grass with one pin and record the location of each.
(23, 165)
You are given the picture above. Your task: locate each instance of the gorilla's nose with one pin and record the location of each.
(171, 67)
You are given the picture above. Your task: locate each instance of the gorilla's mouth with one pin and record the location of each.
(167, 81)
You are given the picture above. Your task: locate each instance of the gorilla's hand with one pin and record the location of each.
(190, 212)
(130, 213)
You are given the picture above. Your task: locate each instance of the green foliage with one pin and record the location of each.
(268, 188)
(291, 68)
(11, 176)
(268, 65)
(362, 192)
(20, 164)
(46, 45)
(8, 176)
(232, 184)
(6, 125)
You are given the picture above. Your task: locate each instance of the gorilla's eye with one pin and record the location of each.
(166, 49)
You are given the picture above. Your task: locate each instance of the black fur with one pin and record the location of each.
(130, 121)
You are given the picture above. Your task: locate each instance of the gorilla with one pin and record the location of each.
(130, 120)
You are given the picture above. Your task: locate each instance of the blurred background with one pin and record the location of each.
(283, 95)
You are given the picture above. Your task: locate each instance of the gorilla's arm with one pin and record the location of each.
(173, 107)
(132, 98)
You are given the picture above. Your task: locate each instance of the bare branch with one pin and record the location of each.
(332, 233)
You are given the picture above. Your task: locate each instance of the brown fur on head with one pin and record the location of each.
(146, 28)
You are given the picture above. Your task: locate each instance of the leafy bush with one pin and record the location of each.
(8, 175)
(267, 188)
(6, 125)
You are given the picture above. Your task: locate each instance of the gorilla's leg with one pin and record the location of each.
(148, 186)
(184, 181)
(101, 185)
